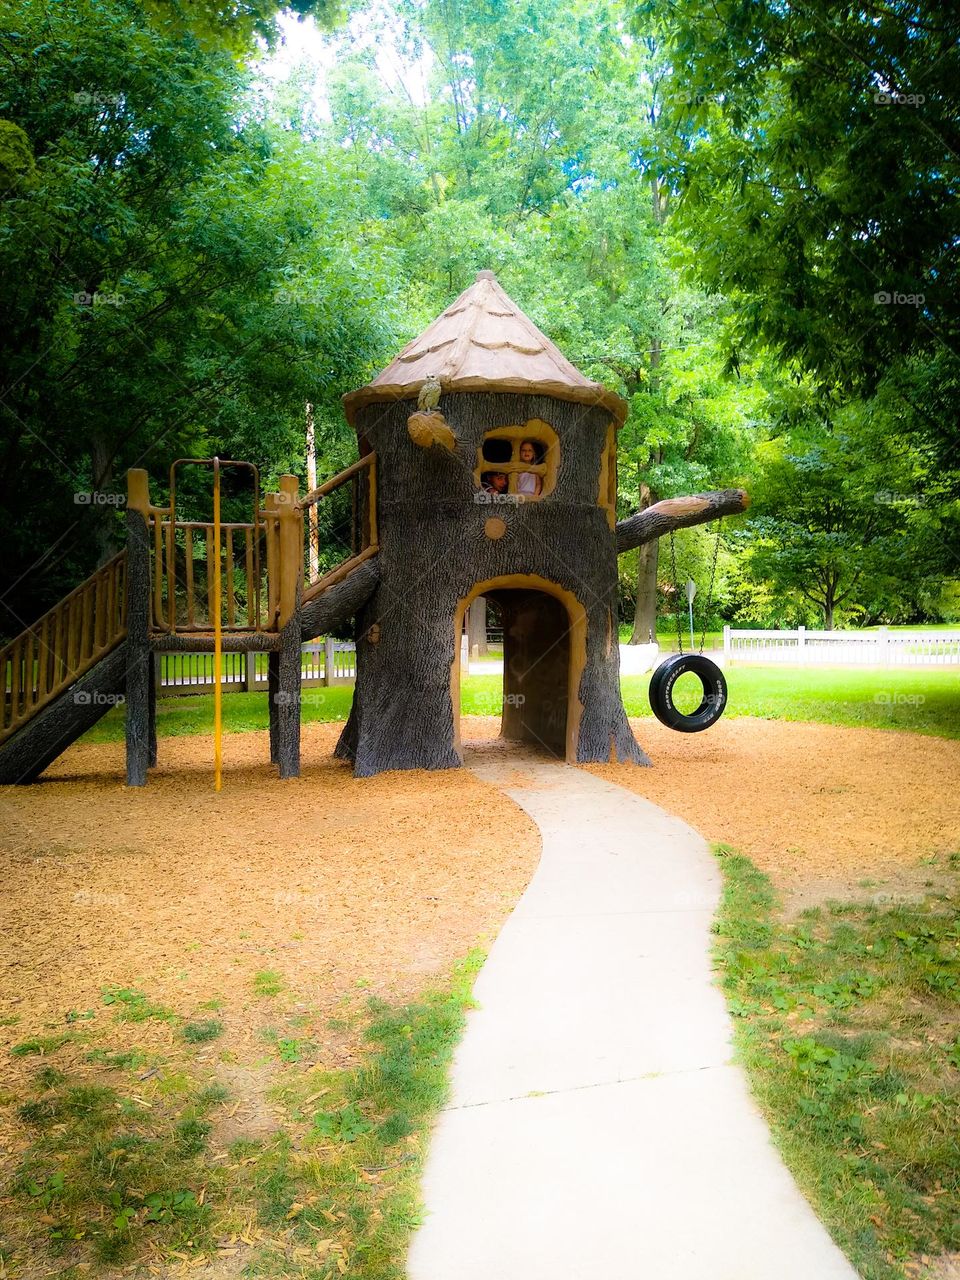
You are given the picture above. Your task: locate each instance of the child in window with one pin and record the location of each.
(494, 481)
(528, 482)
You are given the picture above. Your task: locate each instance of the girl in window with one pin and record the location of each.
(528, 482)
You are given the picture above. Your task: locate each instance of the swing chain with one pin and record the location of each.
(713, 575)
(676, 590)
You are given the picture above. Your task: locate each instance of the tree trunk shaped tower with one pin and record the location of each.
(496, 477)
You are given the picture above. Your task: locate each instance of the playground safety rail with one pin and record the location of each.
(45, 659)
(359, 539)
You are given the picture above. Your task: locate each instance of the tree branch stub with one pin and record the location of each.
(678, 513)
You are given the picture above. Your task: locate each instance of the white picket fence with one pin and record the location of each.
(880, 648)
(323, 662)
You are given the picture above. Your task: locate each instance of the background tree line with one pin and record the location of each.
(719, 215)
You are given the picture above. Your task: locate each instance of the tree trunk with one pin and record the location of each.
(550, 566)
(645, 618)
(313, 515)
(477, 627)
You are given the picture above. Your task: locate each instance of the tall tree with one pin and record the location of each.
(179, 278)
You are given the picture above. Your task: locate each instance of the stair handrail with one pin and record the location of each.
(365, 516)
(39, 664)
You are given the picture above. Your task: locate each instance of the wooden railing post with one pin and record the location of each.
(285, 555)
(290, 519)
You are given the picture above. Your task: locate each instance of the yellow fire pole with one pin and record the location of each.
(217, 655)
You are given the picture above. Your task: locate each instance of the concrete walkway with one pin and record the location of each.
(596, 1129)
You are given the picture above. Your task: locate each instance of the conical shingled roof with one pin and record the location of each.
(484, 342)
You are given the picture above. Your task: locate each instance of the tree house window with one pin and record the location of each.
(527, 455)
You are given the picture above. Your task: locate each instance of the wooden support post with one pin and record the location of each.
(328, 659)
(290, 549)
(285, 684)
(152, 715)
(288, 700)
(249, 672)
(139, 658)
(273, 688)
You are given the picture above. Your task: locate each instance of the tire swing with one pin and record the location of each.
(666, 675)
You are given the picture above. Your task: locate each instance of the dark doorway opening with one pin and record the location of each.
(536, 668)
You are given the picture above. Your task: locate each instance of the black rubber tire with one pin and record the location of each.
(711, 704)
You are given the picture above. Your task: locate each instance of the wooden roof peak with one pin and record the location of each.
(484, 342)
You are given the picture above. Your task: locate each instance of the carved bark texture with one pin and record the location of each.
(436, 545)
(678, 513)
(340, 602)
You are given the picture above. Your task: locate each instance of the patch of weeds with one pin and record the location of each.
(39, 1045)
(134, 1006)
(267, 983)
(294, 1050)
(859, 1094)
(107, 1177)
(129, 1060)
(191, 1136)
(38, 1113)
(201, 1032)
(48, 1078)
(355, 1183)
(345, 1125)
(212, 1096)
(288, 1049)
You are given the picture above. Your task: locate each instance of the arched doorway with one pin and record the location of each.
(544, 652)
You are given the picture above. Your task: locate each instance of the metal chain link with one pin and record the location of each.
(713, 575)
(676, 590)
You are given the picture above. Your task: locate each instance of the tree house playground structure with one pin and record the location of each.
(487, 467)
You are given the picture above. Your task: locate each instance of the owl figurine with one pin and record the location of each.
(429, 396)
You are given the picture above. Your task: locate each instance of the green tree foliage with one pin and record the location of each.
(181, 277)
(842, 522)
(820, 176)
(697, 206)
(823, 171)
(536, 151)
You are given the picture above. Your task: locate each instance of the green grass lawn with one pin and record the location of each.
(924, 701)
(113, 1168)
(847, 1022)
